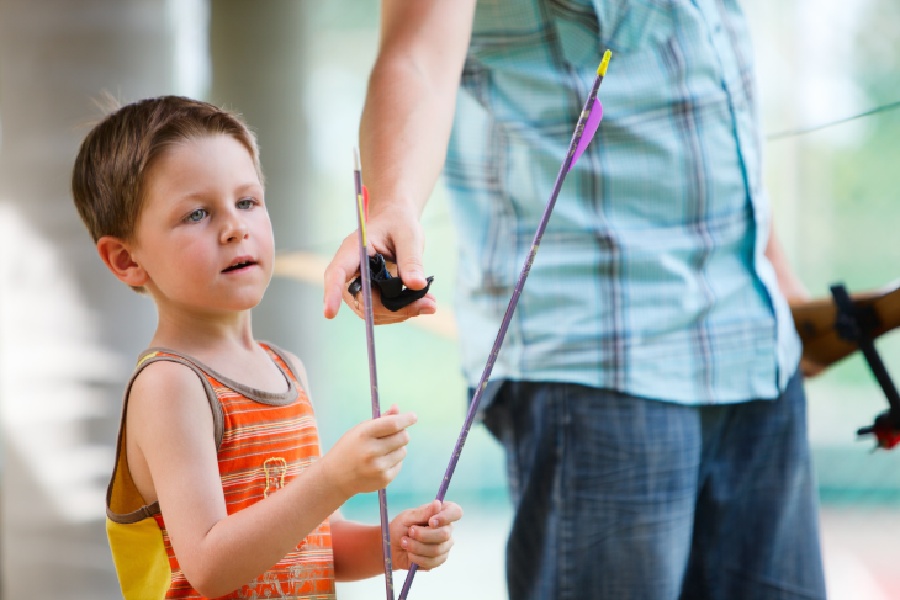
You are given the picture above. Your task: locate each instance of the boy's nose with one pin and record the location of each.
(235, 229)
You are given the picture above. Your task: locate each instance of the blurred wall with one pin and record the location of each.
(69, 332)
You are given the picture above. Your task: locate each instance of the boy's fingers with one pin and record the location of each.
(431, 535)
(427, 555)
(437, 515)
(393, 422)
(448, 512)
(421, 515)
(394, 460)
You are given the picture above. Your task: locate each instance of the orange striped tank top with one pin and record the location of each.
(264, 440)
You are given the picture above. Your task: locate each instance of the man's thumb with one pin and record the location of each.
(411, 272)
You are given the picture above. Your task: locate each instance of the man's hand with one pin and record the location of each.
(393, 233)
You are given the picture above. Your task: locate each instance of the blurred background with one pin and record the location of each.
(69, 332)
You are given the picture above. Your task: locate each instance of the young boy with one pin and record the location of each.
(219, 487)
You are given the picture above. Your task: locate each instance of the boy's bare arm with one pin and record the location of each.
(170, 424)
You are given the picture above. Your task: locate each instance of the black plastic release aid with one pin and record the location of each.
(394, 295)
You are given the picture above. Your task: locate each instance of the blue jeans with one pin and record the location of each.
(622, 498)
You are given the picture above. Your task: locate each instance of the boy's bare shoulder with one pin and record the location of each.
(170, 430)
(167, 385)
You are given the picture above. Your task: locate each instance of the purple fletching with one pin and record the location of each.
(590, 128)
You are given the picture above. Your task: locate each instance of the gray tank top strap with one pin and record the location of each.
(292, 368)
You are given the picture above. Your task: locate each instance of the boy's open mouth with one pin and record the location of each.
(239, 265)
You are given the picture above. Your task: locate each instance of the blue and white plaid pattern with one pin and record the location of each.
(650, 278)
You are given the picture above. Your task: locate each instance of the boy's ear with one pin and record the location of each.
(117, 256)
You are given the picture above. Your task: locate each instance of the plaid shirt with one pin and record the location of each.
(651, 277)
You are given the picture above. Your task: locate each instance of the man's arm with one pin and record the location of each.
(404, 132)
(790, 285)
(793, 289)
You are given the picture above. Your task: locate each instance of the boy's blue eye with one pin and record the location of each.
(196, 215)
(246, 203)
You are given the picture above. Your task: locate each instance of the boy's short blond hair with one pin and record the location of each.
(108, 179)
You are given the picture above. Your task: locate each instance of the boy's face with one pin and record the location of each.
(204, 237)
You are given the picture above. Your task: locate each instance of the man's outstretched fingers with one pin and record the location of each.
(340, 270)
